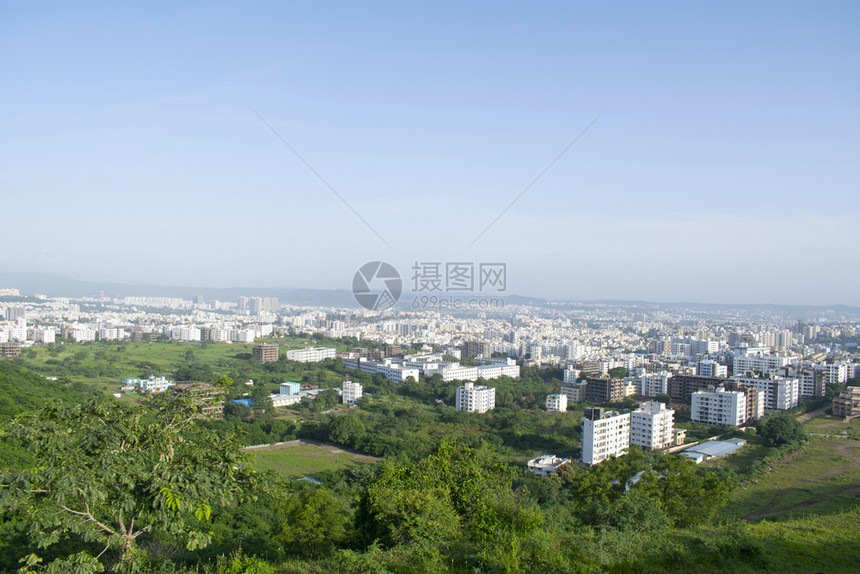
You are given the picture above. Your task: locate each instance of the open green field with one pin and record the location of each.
(103, 364)
(834, 426)
(306, 459)
(821, 478)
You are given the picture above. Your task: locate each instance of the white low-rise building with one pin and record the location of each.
(556, 403)
(154, 384)
(652, 426)
(475, 398)
(604, 434)
(312, 354)
(546, 464)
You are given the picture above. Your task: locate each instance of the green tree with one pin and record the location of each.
(112, 471)
(261, 398)
(780, 428)
(346, 430)
(618, 372)
(312, 524)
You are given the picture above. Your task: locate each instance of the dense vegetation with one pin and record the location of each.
(450, 495)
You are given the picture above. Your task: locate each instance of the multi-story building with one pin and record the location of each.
(556, 403)
(312, 354)
(758, 362)
(652, 426)
(779, 393)
(387, 368)
(351, 392)
(571, 374)
(718, 406)
(477, 349)
(575, 392)
(653, 384)
(754, 399)
(154, 384)
(835, 373)
(599, 390)
(604, 434)
(711, 368)
(681, 387)
(475, 398)
(266, 353)
(847, 404)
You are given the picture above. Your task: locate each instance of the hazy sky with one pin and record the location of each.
(726, 167)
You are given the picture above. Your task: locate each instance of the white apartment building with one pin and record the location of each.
(759, 363)
(475, 399)
(389, 369)
(835, 373)
(652, 426)
(653, 384)
(711, 368)
(718, 407)
(312, 354)
(556, 403)
(351, 392)
(83, 334)
(604, 434)
(571, 374)
(779, 393)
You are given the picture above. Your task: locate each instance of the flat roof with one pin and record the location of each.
(714, 448)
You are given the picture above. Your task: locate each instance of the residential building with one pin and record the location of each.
(312, 354)
(653, 384)
(681, 387)
(475, 398)
(604, 434)
(779, 393)
(266, 353)
(604, 390)
(847, 404)
(575, 392)
(711, 368)
(351, 393)
(477, 349)
(652, 426)
(153, 384)
(546, 464)
(556, 403)
(718, 406)
(571, 374)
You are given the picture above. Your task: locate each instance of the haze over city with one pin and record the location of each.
(720, 165)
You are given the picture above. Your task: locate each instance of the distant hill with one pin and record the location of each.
(59, 286)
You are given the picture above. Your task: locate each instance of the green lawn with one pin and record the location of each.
(820, 478)
(303, 459)
(828, 425)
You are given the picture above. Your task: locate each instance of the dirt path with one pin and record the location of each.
(849, 449)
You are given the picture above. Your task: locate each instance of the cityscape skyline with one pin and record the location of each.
(720, 165)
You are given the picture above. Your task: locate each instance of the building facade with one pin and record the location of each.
(556, 403)
(475, 398)
(604, 434)
(652, 426)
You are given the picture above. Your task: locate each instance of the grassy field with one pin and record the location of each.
(827, 425)
(103, 364)
(821, 478)
(304, 459)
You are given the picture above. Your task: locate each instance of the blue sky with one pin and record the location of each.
(725, 168)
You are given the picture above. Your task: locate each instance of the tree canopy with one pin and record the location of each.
(112, 472)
